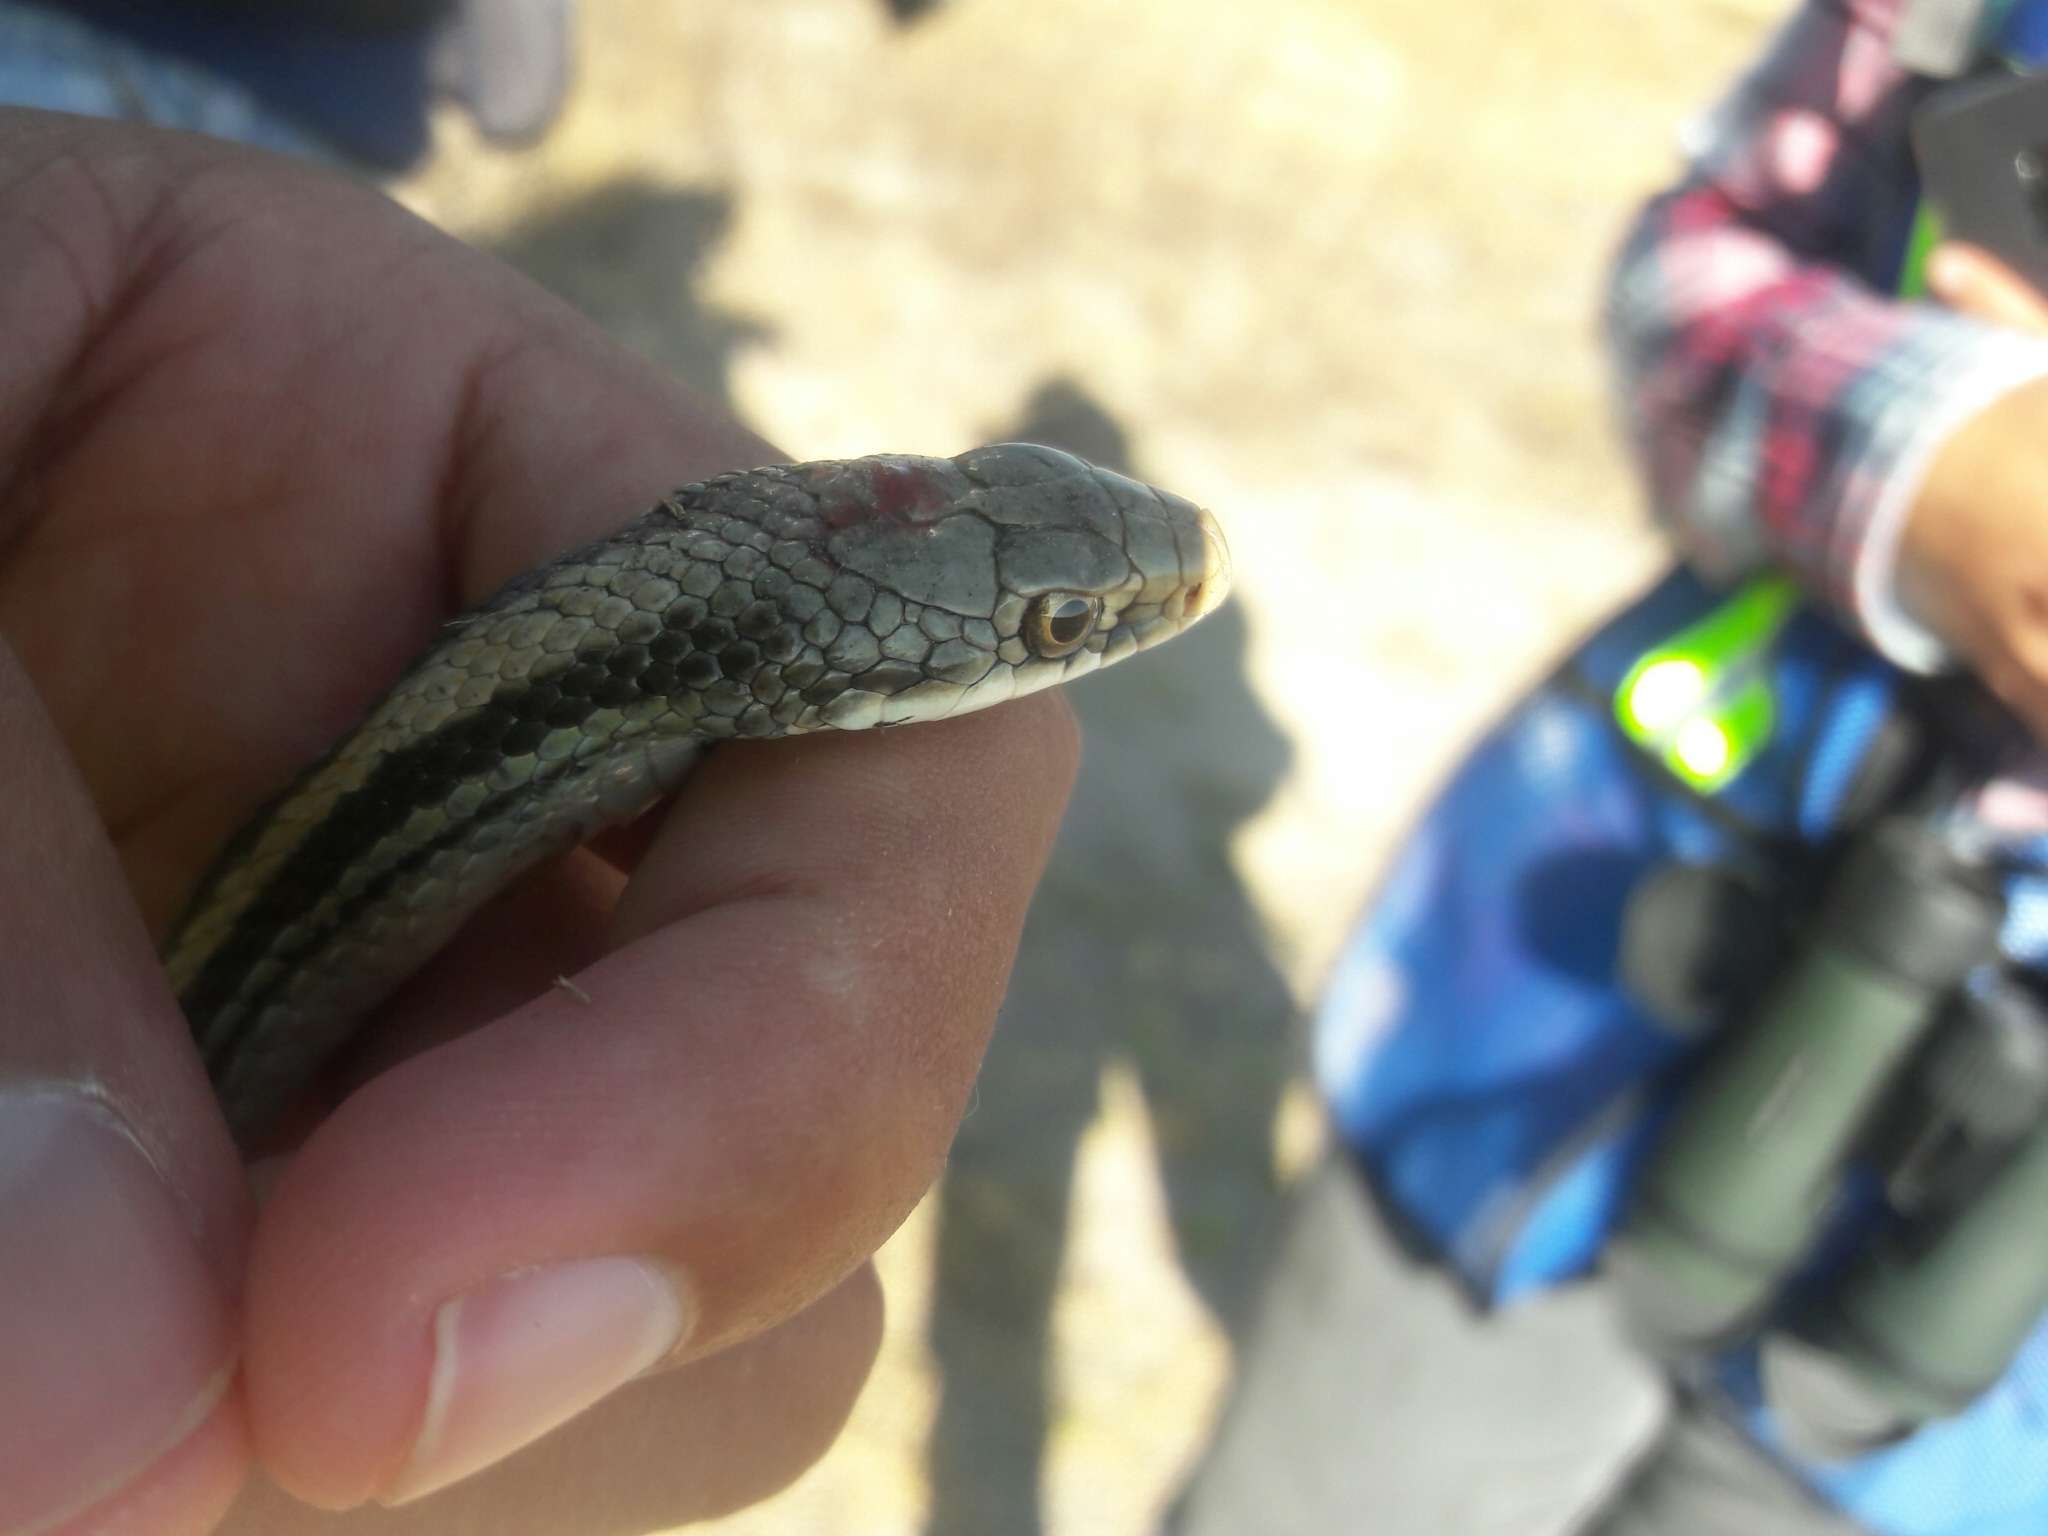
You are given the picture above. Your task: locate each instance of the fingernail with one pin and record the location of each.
(530, 1350)
(115, 1342)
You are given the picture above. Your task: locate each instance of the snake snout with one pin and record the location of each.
(1212, 585)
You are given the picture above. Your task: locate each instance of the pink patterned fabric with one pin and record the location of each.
(1782, 403)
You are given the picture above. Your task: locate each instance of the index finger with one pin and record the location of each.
(763, 1080)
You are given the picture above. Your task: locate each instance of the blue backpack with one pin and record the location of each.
(1501, 1088)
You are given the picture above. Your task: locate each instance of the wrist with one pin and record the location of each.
(1924, 532)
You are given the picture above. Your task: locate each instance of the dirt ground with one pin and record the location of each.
(1328, 266)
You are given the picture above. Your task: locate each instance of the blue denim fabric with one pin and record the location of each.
(274, 86)
(61, 64)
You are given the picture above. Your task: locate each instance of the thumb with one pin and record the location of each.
(121, 1203)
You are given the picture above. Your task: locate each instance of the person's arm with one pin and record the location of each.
(1784, 407)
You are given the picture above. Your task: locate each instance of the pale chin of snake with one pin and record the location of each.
(836, 595)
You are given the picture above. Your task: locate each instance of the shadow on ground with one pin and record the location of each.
(630, 255)
(1142, 946)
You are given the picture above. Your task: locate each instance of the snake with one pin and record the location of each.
(837, 595)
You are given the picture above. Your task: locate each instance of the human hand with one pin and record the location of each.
(262, 433)
(1973, 556)
(1970, 279)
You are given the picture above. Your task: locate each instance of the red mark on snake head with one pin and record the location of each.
(884, 490)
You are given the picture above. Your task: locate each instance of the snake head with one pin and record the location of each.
(1008, 569)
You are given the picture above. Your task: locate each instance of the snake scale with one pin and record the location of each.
(835, 595)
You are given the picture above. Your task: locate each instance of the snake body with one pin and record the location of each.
(840, 594)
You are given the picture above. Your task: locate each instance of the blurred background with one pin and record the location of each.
(1332, 268)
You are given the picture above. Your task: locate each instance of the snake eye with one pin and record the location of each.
(1059, 622)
